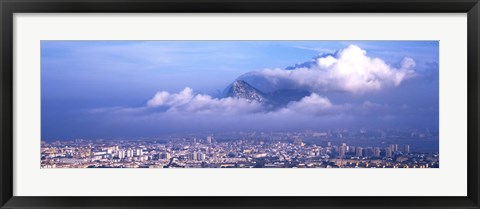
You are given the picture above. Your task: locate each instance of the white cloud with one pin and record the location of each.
(163, 98)
(318, 105)
(187, 101)
(310, 104)
(349, 70)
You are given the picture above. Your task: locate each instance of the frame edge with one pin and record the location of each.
(6, 92)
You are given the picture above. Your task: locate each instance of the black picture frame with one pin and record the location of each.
(9, 7)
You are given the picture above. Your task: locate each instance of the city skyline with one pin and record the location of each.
(331, 149)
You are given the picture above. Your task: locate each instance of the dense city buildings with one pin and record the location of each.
(308, 149)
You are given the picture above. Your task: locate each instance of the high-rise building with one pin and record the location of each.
(388, 152)
(341, 151)
(200, 156)
(129, 153)
(138, 152)
(351, 149)
(359, 151)
(394, 147)
(376, 152)
(368, 152)
(192, 156)
(209, 139)
(121, 154)
(406, 148)
(165, 156)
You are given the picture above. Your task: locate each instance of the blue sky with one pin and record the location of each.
(80, 77)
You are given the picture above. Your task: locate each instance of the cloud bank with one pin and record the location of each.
(347, 70)
(187, 101)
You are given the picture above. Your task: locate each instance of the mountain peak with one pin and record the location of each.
(241, 89)
(240, 83)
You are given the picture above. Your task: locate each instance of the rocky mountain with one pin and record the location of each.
(241, 89)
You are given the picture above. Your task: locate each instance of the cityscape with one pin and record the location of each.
(239, 104)
(252, 150)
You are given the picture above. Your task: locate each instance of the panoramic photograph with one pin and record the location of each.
(239, 104)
